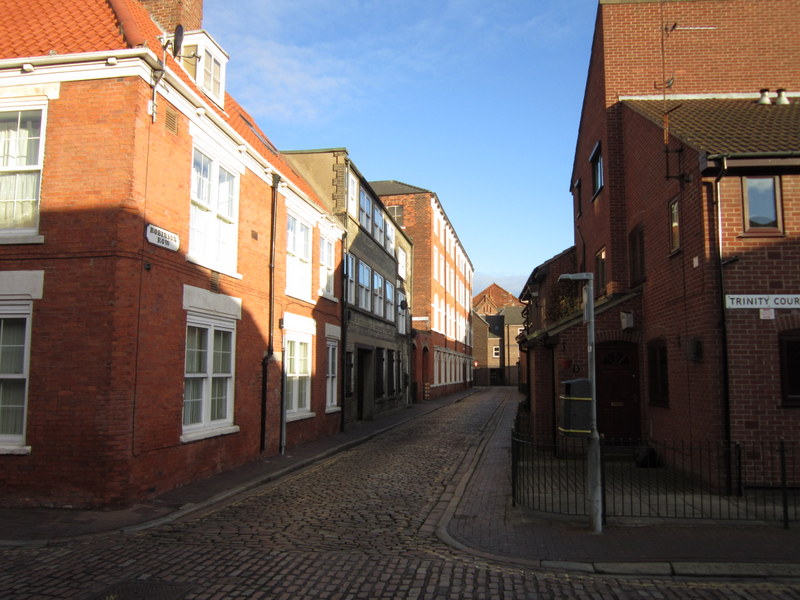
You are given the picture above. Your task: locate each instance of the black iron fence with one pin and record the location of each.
(756, 481)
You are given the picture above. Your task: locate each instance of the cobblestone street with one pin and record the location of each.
(359, 525)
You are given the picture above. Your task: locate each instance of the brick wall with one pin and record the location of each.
(169, 13)
(108, 337)
(680, 296)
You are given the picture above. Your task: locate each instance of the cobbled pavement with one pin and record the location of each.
(359, 525)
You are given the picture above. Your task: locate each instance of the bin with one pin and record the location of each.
(576, 408)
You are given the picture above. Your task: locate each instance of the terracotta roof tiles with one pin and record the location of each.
(42, 27)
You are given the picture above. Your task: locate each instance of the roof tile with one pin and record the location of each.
(724, 126)
(42, 27)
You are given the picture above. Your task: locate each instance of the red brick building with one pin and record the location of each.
(442, 292)
(168, 284)
(492, 299)
(497, 322)
(687, 212)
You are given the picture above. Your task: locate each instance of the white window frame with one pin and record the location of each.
(298, 257)
(378, 305)
(389, 244)
(364, 286)
(326, 267)
(389, 301)
(214, 213)
(332, 376)
(208, 425)
(596, 160)
(350, 278)
(352, 195)
(28, 234)
(200, 64)
(365, 210)
(401, 314)
(298, 366)
(14, 443)
(402, 261)
(378, 224)
(495, 351)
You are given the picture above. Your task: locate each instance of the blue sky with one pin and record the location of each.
(477, 101)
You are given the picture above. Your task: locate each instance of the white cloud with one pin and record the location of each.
(307, 61)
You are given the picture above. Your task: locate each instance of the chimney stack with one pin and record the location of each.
(764, 99)
(170, 13)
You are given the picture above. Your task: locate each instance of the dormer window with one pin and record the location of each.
(205, 60)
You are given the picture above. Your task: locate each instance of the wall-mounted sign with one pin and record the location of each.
(762, 301)
(163, 238)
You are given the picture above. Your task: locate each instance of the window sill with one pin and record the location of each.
(215, 268)
(21, 239)
(333, 409)
(15, 450)
(767, 233)
(329, 297)
(303, 298)
(300, 416)
(202, 434)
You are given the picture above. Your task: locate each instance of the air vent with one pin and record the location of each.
(171, 120)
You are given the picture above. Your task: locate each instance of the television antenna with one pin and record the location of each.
(666, 83)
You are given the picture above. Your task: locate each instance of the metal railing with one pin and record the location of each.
(754, 481)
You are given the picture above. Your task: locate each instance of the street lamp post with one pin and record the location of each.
(593, 477)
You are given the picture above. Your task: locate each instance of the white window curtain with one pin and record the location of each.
(20, 169)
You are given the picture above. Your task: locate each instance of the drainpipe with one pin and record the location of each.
(343, 350)
(726, 398)
(276, 179)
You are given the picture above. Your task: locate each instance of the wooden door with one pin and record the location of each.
(618, 408)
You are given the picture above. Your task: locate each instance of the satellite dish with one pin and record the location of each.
(177, 40)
